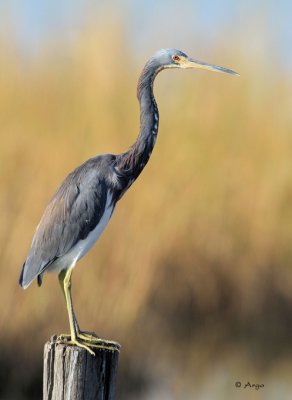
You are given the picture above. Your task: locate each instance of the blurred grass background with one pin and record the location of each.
(193, 274)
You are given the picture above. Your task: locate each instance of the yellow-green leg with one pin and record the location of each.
(84, 335)
(86, 339)
(61, 281)
(65, 281)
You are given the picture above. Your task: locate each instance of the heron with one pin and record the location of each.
(82, 206)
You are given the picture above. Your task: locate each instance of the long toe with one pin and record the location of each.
(63, 337)
(78, 343)
(105, 345)
(92, 339)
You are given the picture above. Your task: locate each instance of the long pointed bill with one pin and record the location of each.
(191, 63)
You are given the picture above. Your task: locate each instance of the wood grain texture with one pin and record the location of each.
(71, 373)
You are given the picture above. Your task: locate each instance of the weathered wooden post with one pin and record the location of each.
(71, 373)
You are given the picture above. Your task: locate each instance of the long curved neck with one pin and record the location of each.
(134, 160)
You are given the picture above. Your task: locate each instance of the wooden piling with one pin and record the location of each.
(71, 373)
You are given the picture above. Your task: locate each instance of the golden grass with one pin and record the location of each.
(212, 208)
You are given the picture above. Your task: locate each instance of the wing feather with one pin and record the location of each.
(74, 211)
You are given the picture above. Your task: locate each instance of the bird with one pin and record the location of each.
(82, 206)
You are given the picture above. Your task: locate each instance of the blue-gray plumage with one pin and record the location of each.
(82, 206)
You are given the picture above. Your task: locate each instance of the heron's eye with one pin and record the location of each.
(176, 58)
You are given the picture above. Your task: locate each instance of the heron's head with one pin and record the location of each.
(172, 58)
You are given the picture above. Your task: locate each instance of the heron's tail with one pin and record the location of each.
(25, 279)
(20, 280)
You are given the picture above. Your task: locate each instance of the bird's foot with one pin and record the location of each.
(78, 343)
(63, 337)
(93, 340)
(66, 339)
(83, 335)
(103, 344)
(89, 339)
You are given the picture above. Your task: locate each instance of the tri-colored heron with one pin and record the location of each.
(83, 204)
